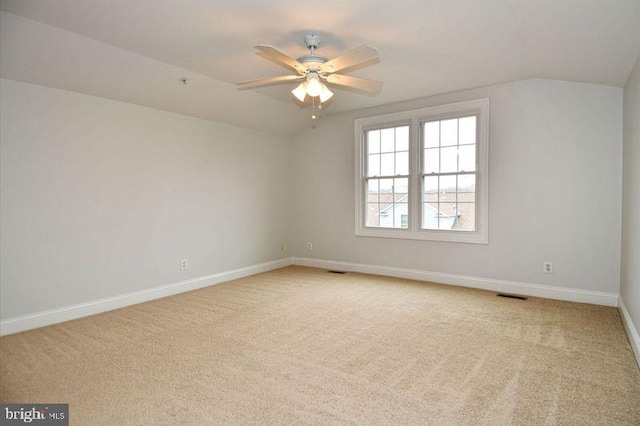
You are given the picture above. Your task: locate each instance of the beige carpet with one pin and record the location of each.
(304, 346)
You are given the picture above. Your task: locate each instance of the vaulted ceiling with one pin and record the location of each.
(138, 51)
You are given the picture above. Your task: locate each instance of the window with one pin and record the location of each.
(448, 175)
(387, 177)
(423, 174)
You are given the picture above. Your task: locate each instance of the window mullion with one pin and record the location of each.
(415, 198)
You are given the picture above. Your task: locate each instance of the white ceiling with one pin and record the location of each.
(137, 51)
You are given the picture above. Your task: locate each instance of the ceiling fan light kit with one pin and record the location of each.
(312, 87)
(315, 70)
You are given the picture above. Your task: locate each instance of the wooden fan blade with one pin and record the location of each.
(274, 55)
(350, 59)
(250, 84)
(370, 87)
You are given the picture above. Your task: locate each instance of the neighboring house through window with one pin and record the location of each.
(423, 174)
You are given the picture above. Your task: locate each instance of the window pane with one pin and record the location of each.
(449, 160)
(387, 204)
(402, 138)
(373, 214)
(387, 138)
(401, 189)
(430, 188)
(467, 128)
(373, 141)
(449, 132)
(444, 208)
(447, 188)
(372, 190)
(402, 163)
(447, 210)
(387, 166)
(430, 216)
(431, 163)
(386, 215)
(452, 216)
(466, 220)
(466, 188)
(401, 210)
(447, 214)
(467, 158)
(386, 187)
(432, 134)
(373, 166)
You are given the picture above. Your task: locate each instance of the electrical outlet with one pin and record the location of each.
(282, 247)
(547, 267)
(184, 264)
(309, 246)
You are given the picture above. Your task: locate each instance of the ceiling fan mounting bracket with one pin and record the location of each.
(312, 41)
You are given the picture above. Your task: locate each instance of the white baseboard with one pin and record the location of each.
(513, 287)
(54, 316)
(631, 329)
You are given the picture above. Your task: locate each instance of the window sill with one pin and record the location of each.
(424, 235)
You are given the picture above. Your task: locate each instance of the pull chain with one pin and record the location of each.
(313, 111)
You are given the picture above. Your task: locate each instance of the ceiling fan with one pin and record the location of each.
(314, 71)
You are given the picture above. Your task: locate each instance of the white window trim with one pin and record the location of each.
(415, 118)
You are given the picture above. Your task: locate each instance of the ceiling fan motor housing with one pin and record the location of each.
(312, 62)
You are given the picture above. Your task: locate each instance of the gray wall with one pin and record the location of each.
(102, 198)
(554, 190)
(630, 265)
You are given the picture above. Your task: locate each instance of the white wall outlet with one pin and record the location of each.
(282, 247)
(184, 264)
(309, 246)
(547, 267)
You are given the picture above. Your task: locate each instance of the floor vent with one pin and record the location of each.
(512, 296)
(337, 272)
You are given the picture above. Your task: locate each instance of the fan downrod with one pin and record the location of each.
(312, 60)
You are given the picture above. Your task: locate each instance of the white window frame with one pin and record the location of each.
(415, 118)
